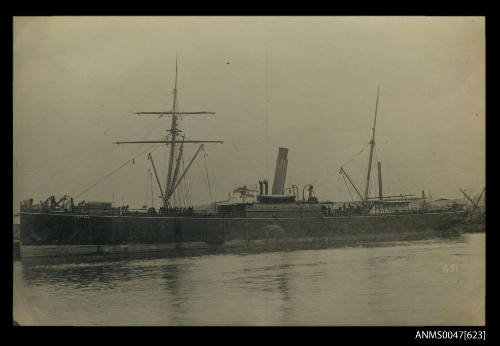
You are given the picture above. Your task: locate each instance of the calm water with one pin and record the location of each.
(412, 283)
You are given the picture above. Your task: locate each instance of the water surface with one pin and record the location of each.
(433, 282)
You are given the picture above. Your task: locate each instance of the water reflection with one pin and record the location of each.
(172, 275)
(71, 276)
(283, 277)
(394, 285)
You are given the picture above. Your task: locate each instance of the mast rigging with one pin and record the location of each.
(344, 173)
(372, 144)
(187, 168)
(474, 204)
(156, 175)
(177, 164)
(172, 182)
(173, 134)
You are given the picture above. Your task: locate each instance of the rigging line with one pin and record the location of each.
(200, 169)
(184, 201)
(188, 185)
(171, 203)
(349, 191)
(376, 159)
(266, 92)
(401, 185)
(185, 182)
(181, 189)
(175, 200)
(90, 186)
(251, 165)
(354, 156)
(215, 183)
(179, 194)
(152, 199)
(103, 178)
(139, 130)
(353, 182)
(186, 195)
(151, 130)
(182, 198)
(370, 186)
(208, 178)
(338, 186)
(83, 157)
(91, 152)
(347, 186)
(147, 190)
(185, 198)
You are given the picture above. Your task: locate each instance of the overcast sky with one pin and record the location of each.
(77, 80)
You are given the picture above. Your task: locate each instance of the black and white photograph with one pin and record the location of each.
(249, 171)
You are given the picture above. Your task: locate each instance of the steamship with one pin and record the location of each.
(250, 221)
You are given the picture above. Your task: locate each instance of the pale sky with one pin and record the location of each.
(77, 80)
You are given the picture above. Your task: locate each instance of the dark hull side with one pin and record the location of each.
(46, 234)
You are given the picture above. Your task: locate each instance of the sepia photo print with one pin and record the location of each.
(249, 171)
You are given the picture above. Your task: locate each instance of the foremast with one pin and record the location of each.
(173, 135)
(172, 183)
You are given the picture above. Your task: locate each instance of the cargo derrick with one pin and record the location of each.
(267, 222)
(171, 180)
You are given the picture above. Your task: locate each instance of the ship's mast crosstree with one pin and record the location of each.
(172, 182)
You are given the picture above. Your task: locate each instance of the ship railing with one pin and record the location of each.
(356, 212)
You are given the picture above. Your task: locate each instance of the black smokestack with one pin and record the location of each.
(266, 186)
(261, 187)
(280, 172)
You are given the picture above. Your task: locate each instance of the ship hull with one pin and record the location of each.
(53, 235)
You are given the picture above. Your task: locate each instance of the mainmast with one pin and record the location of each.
(372, 145)
(172, 184)
(173, 134)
